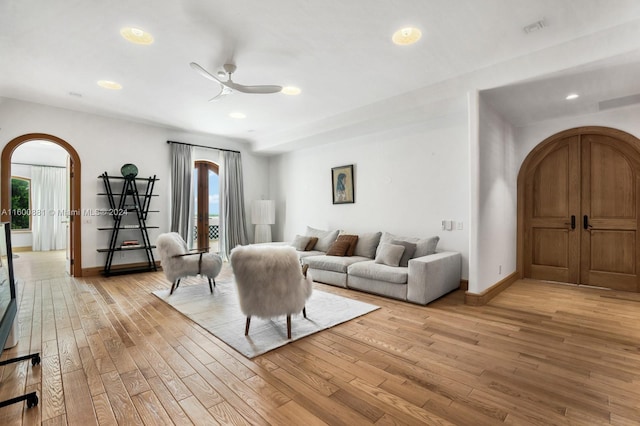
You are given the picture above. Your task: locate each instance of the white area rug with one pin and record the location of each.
(219, 313)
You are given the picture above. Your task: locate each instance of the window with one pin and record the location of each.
(20, 203)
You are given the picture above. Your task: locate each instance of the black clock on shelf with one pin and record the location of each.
(129, 170)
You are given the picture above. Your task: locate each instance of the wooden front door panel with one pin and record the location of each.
(594, 177)
(552, 197)
(610, 204)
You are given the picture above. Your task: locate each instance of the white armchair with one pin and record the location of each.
(179, 262)
(270, 282)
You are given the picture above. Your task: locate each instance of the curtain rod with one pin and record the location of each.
(203, 146)
(39, 165)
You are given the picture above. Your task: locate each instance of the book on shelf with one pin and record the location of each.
(130, 242)
(130, 246)
(130, 226)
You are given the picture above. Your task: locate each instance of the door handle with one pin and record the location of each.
(573, 222)
(585, 222)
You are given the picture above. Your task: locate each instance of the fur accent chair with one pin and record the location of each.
(178, 262)
(270, 282)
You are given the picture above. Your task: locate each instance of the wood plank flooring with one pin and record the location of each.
(538, 354)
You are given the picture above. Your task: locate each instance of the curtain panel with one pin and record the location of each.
(181, 192)
(233, 230)
(49, 197)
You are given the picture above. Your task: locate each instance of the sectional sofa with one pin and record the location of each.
(404, 268)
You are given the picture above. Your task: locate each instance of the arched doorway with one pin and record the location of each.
(579, 209)
(74, 188)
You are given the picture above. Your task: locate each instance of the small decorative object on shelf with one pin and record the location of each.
(129, 170)
(129, 203)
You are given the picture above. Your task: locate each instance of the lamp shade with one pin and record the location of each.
(263, 212)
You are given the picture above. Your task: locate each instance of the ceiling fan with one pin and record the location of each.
(227, 86)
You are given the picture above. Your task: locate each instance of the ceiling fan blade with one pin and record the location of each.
(217, 97)
(224, 91)
(205, 73)
(266, 89)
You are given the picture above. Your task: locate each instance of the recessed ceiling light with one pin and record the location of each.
(406, 36)
(572, 96)
(291, 90)
(238, 115)
(111, 85)
(136, 35)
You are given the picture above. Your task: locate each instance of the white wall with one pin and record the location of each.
(528, 137)
(496, 229)
(438, 168)
(104, 145)
(407, 180)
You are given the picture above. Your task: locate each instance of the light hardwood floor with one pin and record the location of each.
(538, 354)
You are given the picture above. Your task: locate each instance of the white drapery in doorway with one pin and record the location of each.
(49, 204)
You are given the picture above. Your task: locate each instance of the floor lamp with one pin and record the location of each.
(263, 215)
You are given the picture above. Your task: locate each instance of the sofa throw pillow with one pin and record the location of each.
(367, 244)
(389, 254)
(311, 244)
(409, 250)
(300, 242)
(325, 238)
(387, 237)
(338, 248)
(352, 239)
(426, 246)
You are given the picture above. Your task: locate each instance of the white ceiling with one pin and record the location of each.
(610, 83)
(338, 52)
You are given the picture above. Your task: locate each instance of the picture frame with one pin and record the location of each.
(342, 186)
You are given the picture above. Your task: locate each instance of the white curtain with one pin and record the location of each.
(49, 204)
(233, 230)
(181, 193)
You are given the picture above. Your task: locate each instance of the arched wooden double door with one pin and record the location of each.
(580, 209)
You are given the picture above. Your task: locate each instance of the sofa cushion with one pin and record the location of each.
(312, 243)
(379, 272)
(367, 244)
(303, 254)
(353, 241)
(339, 248)
(332, 263)
(389, 254)
(409, 250)
(300, 242)
(325, 238)
(424, 246)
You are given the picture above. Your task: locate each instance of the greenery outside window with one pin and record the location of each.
(20, 203)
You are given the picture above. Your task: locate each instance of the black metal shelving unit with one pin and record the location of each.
(134, 200)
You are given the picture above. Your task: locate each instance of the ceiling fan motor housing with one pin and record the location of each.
(229, 68)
